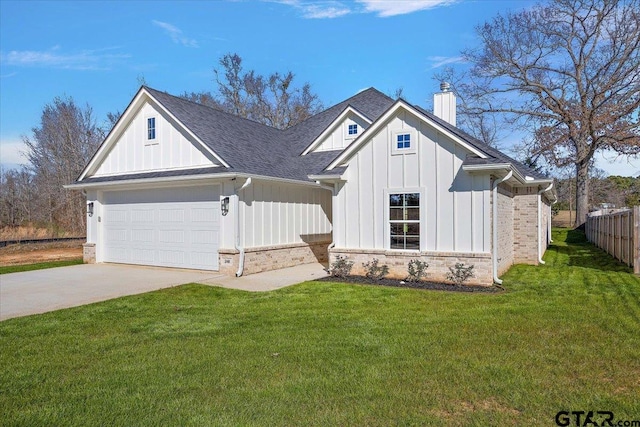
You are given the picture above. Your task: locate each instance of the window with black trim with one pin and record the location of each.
(353, 130)
(404, 221)
(151, 128)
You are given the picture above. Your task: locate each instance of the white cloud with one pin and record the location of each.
(383, 8)
(318, 9)
(439, 61)
(614, 164)
(98, 59)
(386, 8)
(12, 152)
(176, 34)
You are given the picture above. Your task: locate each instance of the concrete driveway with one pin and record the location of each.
(40, 291)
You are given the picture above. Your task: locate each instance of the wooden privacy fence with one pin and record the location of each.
(618, 233)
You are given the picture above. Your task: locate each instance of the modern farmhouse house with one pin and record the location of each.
(178, 184)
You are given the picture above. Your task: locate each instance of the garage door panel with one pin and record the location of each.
(204, 237)
(204, 260)
(117, 235)
(142, 235)
(142, 255)
(159, 227)
(142, 215)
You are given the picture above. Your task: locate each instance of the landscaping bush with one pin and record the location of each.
(417, 270)
(374, 271)
(460, 273)
(341, 267)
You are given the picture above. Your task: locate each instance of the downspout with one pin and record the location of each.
(333, 242)
(495, 227)
(540, 222)
(550, 215)
(240, 248)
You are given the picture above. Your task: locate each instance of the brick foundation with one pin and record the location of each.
(89, 253)
(268, 258)
(439, 263)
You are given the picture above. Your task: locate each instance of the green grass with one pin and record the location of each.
(564, 336)
(39, 266)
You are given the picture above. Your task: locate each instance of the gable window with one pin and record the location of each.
(353, 130)
(151, 128)
(404, 221)
(403, 142)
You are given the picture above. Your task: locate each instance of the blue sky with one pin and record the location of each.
(98, 52)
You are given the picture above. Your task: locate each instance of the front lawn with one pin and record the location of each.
(564, 336)
(39, 265)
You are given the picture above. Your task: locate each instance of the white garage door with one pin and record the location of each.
(177, 227)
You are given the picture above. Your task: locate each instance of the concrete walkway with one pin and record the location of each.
(40, 291)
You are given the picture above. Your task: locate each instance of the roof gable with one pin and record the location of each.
(339, 121)
(370, 103)
(392, 111)
(141, 99)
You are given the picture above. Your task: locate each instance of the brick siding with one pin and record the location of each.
(439, 263)
(525, 225)
(259, 259)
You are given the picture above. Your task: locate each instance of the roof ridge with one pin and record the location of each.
(344, 101)
(235, 116)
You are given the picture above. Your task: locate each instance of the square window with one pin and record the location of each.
(404, 141)
(151, 128)
(353, 129)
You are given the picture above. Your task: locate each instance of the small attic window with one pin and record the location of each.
(151, 128)
(353, 130)
(403, 142)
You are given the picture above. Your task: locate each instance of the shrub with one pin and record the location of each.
(374, 271)
(417, 270)
(460, 273)
(341, 267)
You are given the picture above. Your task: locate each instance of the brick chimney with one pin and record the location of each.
(444, 104)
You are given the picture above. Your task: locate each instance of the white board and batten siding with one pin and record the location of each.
(273, 214)
(171, 227)
(339, 138)
(455, 205)
(171, 148)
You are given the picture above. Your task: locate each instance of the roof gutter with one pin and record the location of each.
(544, 190)
(182, 178)
(494, 249)
(239, 247)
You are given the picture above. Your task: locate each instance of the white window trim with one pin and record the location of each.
(423, 216)
(394, 142)
(148, 141)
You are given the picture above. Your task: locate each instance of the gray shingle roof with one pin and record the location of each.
(252, 148)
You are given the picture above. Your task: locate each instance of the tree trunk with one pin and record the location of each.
(582, 192)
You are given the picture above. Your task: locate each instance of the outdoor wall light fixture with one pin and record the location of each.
(224, 206)
(90, 208)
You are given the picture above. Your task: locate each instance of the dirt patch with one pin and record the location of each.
(564, 219)
(437, 286)
(40, 252)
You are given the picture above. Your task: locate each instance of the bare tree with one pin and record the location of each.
(469, 117)
(569, 72)
(57, 152)
(272, 100)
